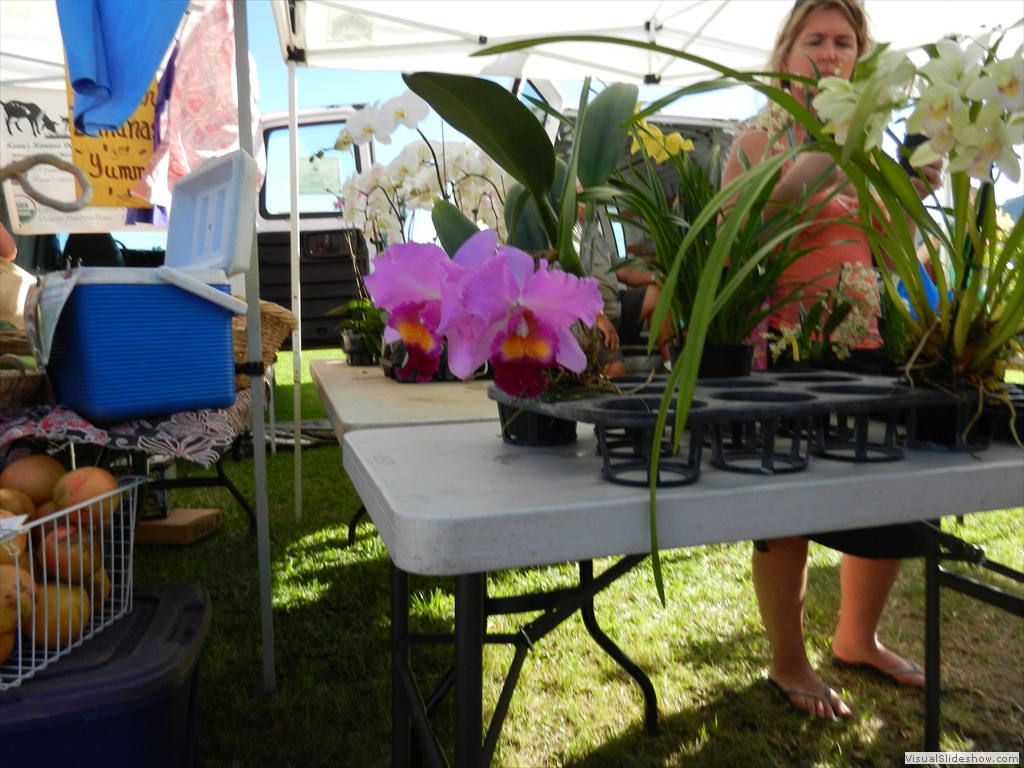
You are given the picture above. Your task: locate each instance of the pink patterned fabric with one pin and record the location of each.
(201, 437)
(202, 118)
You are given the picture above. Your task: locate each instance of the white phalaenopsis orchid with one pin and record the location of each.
(371, 124)
(1003, 82)
(408, 109)
(967, 102)
(382, 200)
(839, 99)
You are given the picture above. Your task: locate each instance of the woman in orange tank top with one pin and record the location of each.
(822, 38)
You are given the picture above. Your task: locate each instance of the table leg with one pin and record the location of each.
(401, 722)
(932, 645)
(618, 655)
(470, 626)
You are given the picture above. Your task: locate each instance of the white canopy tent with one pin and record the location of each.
(409, 35)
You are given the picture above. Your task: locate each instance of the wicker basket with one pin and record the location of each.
(276, 323)
(19, 387)
(14, 343)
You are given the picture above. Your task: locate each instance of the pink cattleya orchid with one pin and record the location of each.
(414, 283)
(524, 316)
(492, 302)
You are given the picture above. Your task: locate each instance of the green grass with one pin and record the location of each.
(284, 376)
(705, 651)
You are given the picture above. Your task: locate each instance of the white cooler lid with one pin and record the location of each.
(213, 216)
(144, 276)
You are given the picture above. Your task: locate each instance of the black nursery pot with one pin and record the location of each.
(522, 427)
(721, 361)
(356, 352)
(945, 427)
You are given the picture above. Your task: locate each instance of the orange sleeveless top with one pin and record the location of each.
(829, 246)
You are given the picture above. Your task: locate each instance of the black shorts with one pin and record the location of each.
(885, 542)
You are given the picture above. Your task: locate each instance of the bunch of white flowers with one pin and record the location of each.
(967, 102)
(382, 199)
(840, 320)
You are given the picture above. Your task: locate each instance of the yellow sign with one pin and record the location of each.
(115, 161)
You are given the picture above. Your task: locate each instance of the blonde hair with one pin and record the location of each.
(853, 10)
(773, 117)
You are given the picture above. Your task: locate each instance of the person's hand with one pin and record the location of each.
(608, 333)
(8, 248)
(927, 178)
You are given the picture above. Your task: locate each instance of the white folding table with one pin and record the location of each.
(455, 500)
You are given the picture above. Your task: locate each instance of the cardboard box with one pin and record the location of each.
(181, 526)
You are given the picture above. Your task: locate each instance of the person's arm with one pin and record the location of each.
(805, 171)
(608, 332)
(635, 277)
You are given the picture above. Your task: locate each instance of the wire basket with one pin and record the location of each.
(65, 577)
(276, 323)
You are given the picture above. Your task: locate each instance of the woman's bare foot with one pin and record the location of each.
(809, 693)
(881, 662)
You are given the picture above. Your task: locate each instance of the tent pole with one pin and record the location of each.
(252, 293)
(293, 140)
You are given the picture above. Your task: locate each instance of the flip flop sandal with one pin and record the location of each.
(790, 694)
(889, 675)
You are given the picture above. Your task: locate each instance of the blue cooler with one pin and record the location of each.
(134, 342)
(125, 699)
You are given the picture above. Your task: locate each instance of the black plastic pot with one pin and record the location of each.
(522, 427)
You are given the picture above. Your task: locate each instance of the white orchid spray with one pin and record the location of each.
(381, 201)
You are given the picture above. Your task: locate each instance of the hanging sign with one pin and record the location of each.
(115, 161)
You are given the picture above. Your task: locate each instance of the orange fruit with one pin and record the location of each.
(99, 587)
(16, 502)
(16, 588)
(33, 475)
(69, 555)
(60, 616)
(7, 641)
(79, 486)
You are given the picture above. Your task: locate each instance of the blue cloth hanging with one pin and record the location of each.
(113, 49)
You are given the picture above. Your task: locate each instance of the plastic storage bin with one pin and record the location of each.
(126, 699)
(135, 342)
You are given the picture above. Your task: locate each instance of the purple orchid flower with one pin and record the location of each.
(414, 283)
(492, 302)
(523, 316)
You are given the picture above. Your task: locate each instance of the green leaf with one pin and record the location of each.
(495, 120)
(452, 226)
(604, 133)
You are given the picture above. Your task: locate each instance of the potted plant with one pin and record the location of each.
(961, 101)
(665, 206)
(542, 209)
(542, 206)
(362, 329)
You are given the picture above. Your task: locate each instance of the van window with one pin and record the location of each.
(322, 170)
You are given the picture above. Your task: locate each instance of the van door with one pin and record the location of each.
(332, 257)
